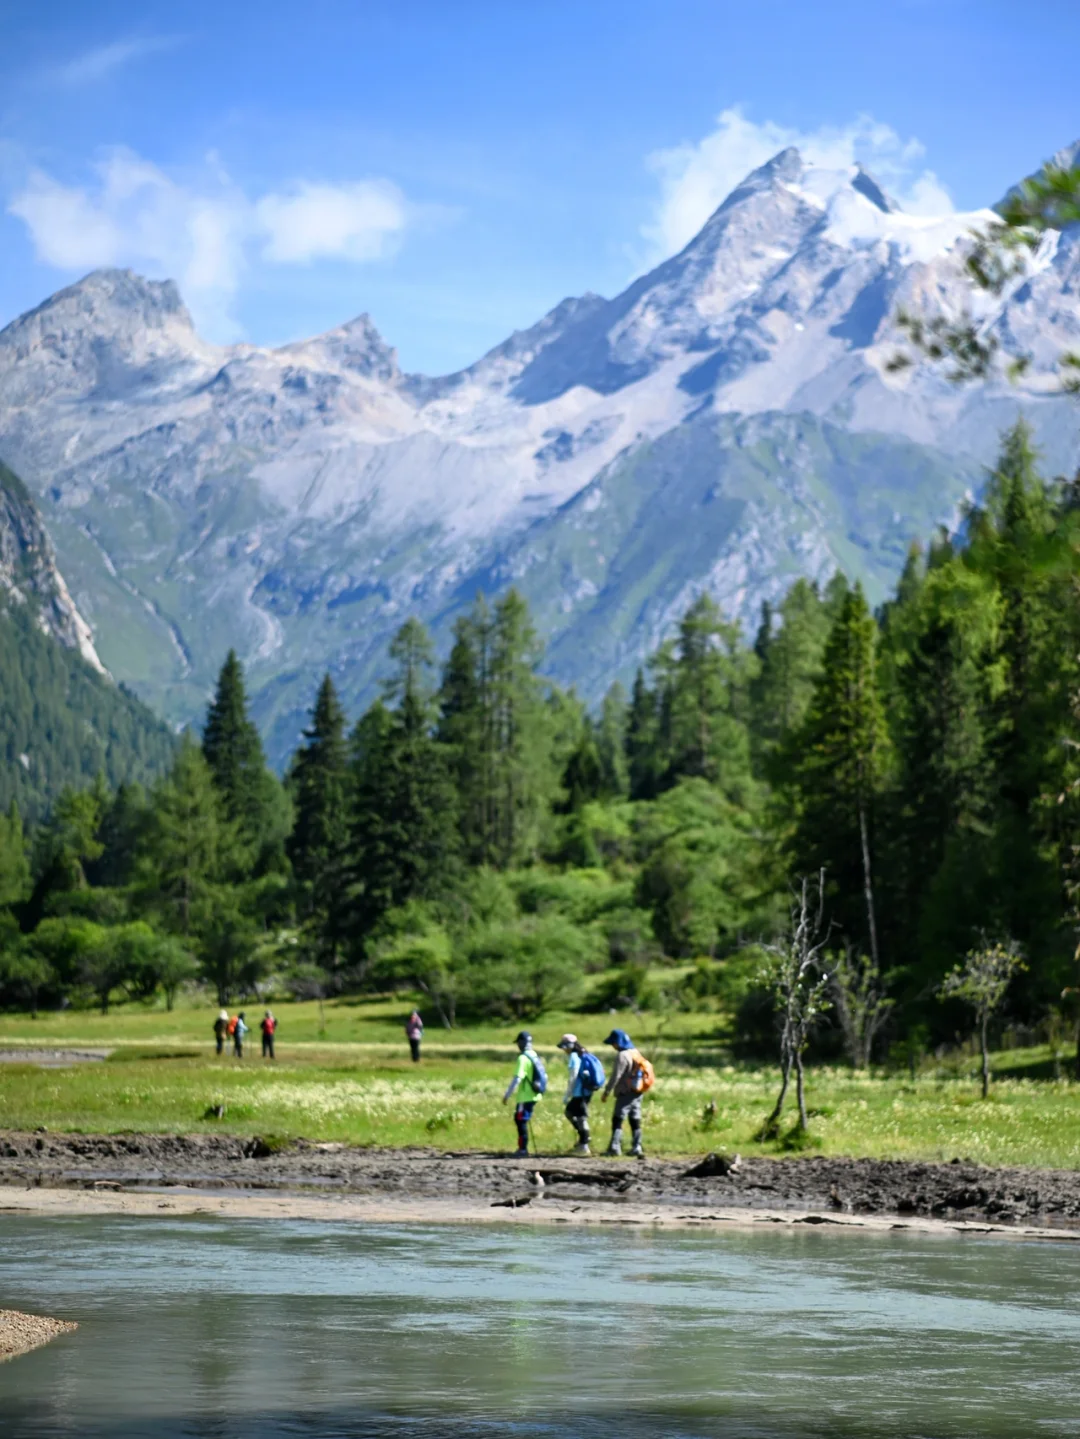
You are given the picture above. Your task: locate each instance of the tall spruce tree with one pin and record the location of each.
(499, 732)
(179, 861)
(837, 770)
(704, 681)
(644, 761)
(939, 670)
(404, 833)
(318, 844)
(252, 799)
(14, 860)
(611, 743)
(790, 646)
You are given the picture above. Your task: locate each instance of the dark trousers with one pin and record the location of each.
(238, 1046)
(268, 1046)
(577, 1112)
(414, 1046)
(522, 1115)
(220, 1038)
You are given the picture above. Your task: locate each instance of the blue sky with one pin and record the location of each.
(456, 168)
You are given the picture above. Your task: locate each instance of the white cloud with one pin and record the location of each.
(204, 233)
(359, 221)
(100, 63)
(695, 178)
(134, 214)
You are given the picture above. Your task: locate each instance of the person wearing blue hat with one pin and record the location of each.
(626, 1085)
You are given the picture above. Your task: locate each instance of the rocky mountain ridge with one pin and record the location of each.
(29, 576)
(728, 422)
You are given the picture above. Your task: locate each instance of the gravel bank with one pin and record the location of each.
(19, 1333)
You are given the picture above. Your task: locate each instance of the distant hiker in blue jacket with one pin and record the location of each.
(529, 1083)
(585, 1075)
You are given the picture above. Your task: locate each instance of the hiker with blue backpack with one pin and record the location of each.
(585, 1075)
(529, 1084)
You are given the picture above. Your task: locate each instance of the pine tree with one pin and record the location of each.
(938, 644)
(838, 771)
(253, 802)
(1015, 548)
(611, 743)
(404, 839)
(464, 729)
(180, 855)
(122, 825)
(789, 654)
(499, 732)
(318, 843)
(583, 777)
(644, 762)
(704, 679)
(525, 780)
(14, 861)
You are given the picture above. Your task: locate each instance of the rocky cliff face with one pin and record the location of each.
(728, 422)
(29, 575)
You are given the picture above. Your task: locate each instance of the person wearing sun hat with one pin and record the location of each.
(221, 1029)
(585, 1075)
(631, 1076)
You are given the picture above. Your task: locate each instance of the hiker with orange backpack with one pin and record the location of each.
(631, 1077)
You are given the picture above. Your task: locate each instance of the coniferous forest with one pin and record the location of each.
(479, 837)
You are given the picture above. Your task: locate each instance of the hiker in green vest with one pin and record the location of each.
(528, 1084)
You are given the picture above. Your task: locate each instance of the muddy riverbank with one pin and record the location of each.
(826, 1186)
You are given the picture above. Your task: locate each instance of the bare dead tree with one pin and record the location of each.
(798, 974)
(862, 1006)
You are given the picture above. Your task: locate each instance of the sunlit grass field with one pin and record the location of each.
(344, 1073)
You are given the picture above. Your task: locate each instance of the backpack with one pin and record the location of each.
(642, 1076)
(230, 1028)
(539, 1073)
(591, 1074)
(269, 1025)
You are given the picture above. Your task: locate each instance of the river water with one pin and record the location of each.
(244, 1328)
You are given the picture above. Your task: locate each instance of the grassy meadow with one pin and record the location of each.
(343, 1073)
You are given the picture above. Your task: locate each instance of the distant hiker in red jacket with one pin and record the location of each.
(268, 1028)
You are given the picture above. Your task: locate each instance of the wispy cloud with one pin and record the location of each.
(696, 177)
(205, 233)
(358, 221)
(93, 66)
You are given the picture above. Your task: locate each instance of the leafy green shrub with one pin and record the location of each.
(518, 971)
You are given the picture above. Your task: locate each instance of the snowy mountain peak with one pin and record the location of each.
(726, 422)
(357, 346)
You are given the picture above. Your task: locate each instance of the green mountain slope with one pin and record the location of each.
(722, 503)
(62, 719)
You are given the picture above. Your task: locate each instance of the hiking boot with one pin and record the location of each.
(581, 1149)
(637, 1152)
(521, 1154)
(613, 1152)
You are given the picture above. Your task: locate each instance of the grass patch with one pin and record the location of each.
(359, 1086)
